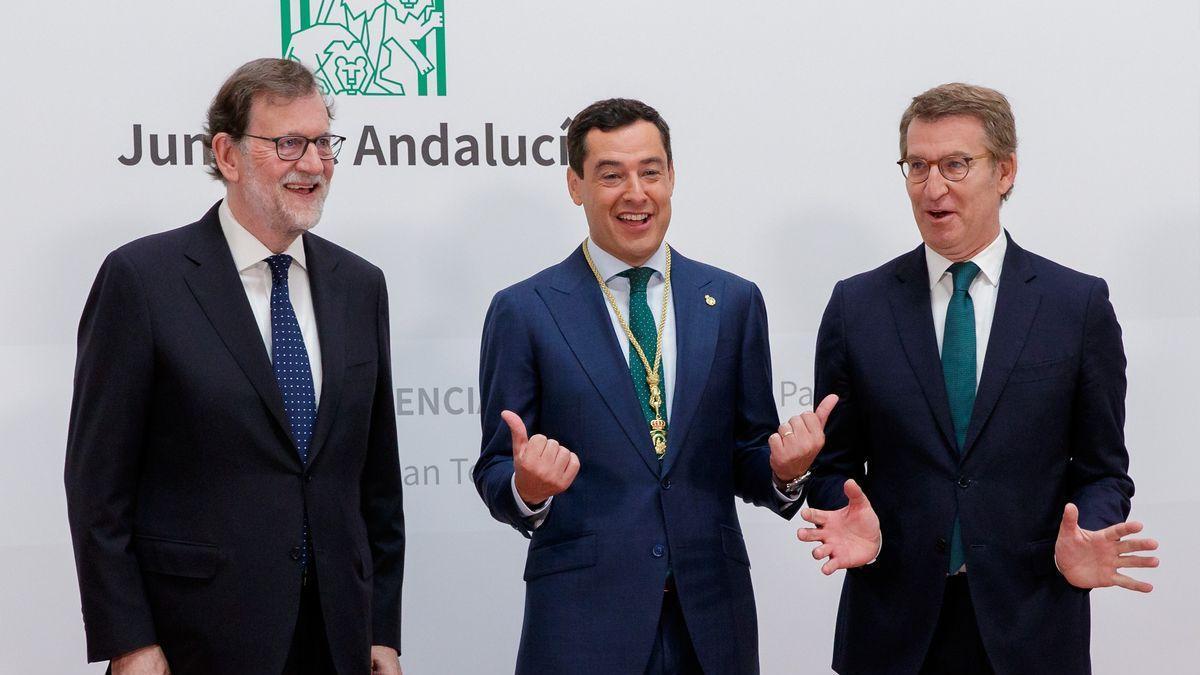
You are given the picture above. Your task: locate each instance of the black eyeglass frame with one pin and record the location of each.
(941, 169)
(336, 147)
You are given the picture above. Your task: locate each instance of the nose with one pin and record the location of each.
(310, 161)
(936, 185)
(635, 192)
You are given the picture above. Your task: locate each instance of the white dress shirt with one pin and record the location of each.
(982, 291)
(249, 257)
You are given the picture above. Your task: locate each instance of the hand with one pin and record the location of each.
(145, 661)
(1090, 559)
(849, 537)
(798, 441)
(543, 467)
(385, 661)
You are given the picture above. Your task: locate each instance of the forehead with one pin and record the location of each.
(635, 142)
(956, 133)
(274, 116)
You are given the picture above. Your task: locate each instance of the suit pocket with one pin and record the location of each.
(361, 368)
(734, 545)
(1039, 557)
(572, 554)
(1042, 370)
(192, 560)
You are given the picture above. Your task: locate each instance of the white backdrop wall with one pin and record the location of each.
(784, 118)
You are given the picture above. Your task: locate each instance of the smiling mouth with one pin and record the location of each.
(301, 188)
(634, 218)
(939, 215)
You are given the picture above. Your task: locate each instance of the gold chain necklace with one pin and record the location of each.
(658, 426)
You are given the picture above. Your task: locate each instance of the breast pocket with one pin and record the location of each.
(1042, 370)
(361, 368)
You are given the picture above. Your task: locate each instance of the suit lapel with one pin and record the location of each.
(696, 328)
(329, 305)
(215, 284)
(1016, 304)
(581, 313)
(909, 298)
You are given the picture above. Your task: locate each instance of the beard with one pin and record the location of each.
(275, 207)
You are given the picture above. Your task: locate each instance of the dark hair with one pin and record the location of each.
(278, 79)
(612, 113)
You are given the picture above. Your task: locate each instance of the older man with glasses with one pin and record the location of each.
(233, 484)
(974, 478)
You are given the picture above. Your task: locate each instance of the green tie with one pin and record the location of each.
(641, 324)
(958, 369)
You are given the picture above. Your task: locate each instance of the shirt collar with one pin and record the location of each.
(247, 250)
(990, 261)
(610, 266)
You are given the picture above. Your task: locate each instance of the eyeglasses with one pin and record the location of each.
(951, 167)
(291, 148)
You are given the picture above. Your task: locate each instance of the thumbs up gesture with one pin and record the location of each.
(796, 444)
(543, 467)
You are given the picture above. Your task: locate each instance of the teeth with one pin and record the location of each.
(639, 217)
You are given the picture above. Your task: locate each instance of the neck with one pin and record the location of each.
(276, 239)
(965, 255)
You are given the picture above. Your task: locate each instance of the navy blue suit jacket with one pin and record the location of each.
(1047, 428)
(597, 564)
(185, 491)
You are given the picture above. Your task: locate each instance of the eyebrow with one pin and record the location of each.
(604, 163)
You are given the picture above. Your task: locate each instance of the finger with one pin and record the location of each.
(1137, 561)
(785, 430)
(1131, 583)
(815, 516)
(854, 493)
(561, 460)
(535, 447)
(811, 534)
(1070, 519)
(821, 552)
(1132, 545)
(795, 425)
(832, 565)
(551, 452)
(775, 442)
(1122, 529)
(812, 423)
(572, 469)
(517, 428)
(826, 407)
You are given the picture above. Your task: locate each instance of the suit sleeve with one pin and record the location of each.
(382, 494)
(1097, 478)
(757, 417)
(113, 389)
(508, 380)
(844, 454)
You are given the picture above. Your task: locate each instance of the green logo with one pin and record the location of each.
(369, 47)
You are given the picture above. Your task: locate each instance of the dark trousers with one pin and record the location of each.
(673, 653)
(957, 648)
(309, 654)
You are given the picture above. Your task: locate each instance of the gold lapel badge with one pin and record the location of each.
(712, 302)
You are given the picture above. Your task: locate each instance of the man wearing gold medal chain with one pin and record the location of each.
(645, 378)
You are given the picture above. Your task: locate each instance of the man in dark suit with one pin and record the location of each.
(979, 441)
(232, 476)
(647, 379)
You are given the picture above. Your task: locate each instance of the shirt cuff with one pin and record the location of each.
(782, 497)
(538, 514)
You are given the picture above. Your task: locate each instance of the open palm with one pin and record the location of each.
(849, 536)
(1093, 558)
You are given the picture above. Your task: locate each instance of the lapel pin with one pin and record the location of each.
(710, 300)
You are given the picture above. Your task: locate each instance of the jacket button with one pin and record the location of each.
(964, 482)
(941, 545)
(295, 553)
(308, 478)
(666, 483)
(658, 550)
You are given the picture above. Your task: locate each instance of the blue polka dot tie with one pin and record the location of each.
(289, 359)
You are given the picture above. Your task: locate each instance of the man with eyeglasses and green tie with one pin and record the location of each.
(233, 483)
(974, 477)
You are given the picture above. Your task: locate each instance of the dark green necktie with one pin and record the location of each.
(641, 323)
(958, 369)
